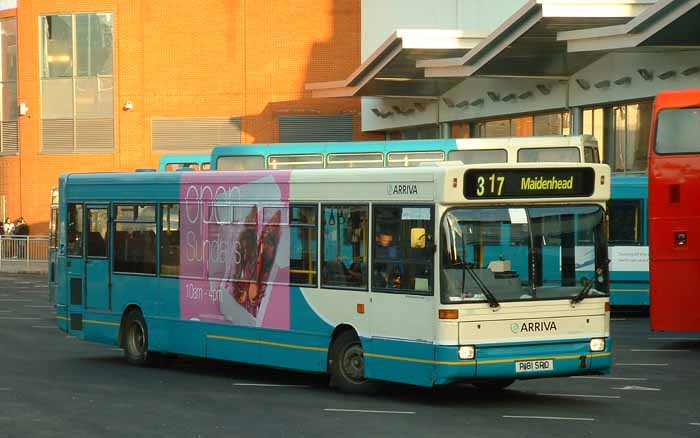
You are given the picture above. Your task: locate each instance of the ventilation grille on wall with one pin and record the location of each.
(9, 137)
(298, 129)
(185, 134)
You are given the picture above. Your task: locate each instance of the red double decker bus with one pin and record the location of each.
(674, 212)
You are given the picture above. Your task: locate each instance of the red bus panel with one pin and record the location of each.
(674, 212)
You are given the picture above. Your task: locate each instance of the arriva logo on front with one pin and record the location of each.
(530, 327)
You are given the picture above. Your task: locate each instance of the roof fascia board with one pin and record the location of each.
(628, 35)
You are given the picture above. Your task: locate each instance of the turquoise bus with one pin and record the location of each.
(627, 231)
(171, 163)
(319, 270)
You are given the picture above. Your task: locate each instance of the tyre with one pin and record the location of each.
(493, 385)
(347, 365)
(135, 340)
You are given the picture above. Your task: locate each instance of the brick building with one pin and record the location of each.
(110, 85)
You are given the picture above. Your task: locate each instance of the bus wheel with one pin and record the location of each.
(136, 340)
(493, 384)
(347, 365)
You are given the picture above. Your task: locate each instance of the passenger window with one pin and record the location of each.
(336, 161)
(311, 161)
(344, 250)
(98, 235)
(135, 239)
(479, 156)
(302, 246)
(558, 155)
(625, 222)
(412, 159)
(74, 241)
(402, 255)
(241, 162)
(206, 166)
(170, 239)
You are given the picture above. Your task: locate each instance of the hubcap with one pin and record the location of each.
(136, 339)
(352, 364)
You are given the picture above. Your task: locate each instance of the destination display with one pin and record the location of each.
(528, 183)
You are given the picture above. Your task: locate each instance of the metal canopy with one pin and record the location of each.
(526, 45)
(669, 24)
(391, 70)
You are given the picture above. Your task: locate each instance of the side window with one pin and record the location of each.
(74, 240)
(53, 236)
(344, 250)
(98, 232)
(625, 222)
(135, 239)
(402, 249)
(303, 232)
(170, 239)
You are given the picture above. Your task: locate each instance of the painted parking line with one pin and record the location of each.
(533, 417)
(657, 338)
(37, 307)
(14, 300)
(5, 311)
(641, 364)
(5, 389)
(658, 351)
(273, 385)
(578, 395)
(695, 424)
(20, 317)
(637, 388)
(44, 326)
(367, 411)
(639, 379)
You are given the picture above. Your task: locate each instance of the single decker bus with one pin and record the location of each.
(428, 276)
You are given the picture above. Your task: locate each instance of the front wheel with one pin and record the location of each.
(493, 385)
(347, 365)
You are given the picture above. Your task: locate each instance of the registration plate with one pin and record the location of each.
(526, 366)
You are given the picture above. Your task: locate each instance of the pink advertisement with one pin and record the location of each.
(234, 248)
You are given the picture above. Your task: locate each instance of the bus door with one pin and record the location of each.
(53, 253)
(402, 312)
(75, 266)
(97, 272)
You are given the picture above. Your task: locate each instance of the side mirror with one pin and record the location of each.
(418, 238)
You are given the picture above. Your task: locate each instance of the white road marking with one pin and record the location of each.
(549, 418)
(610, 378)
(5, 311)
(19, 317)
(658, 351)
(578, 395)
(269, 384)
(641, 364)
(637, 388)
(673, 339)
(363, 411)
(15, 300)
(5, 389)
(116, 349)
(44, 327)
(695, 424)
(37, 307)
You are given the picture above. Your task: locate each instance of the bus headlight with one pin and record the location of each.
(466, 352)
(597, 344)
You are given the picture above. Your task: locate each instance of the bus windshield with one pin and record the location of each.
(523, 253)
(678, 131)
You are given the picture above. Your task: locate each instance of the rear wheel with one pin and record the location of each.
(493, 384)
(135, 340)
(347, 365)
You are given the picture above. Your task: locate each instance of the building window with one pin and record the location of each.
(525, 126)
(9, 143)
(631, 127)
(594, 124)
(77, 83)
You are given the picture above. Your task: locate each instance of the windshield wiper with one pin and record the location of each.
(493, 302)
(582, 294)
